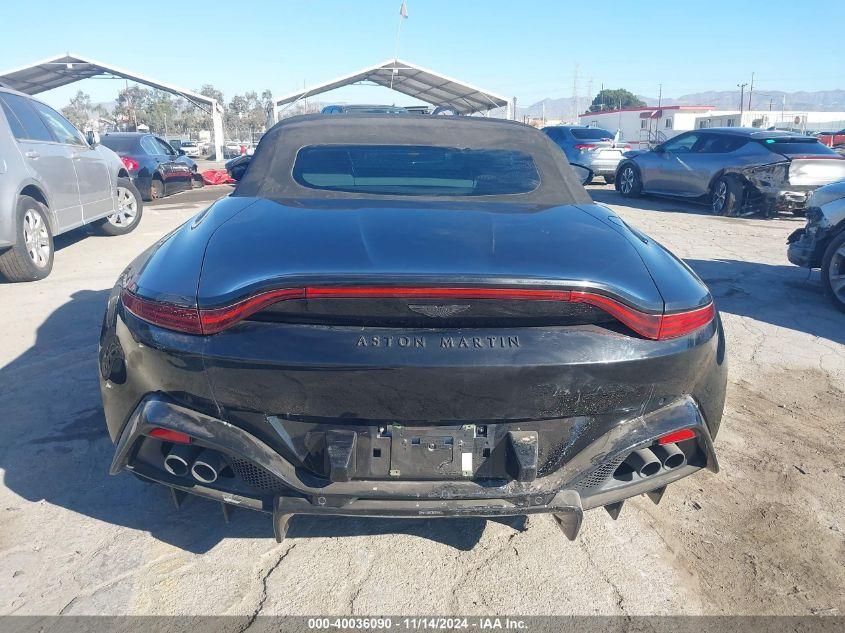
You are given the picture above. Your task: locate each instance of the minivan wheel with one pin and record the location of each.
(31, 258)
(833, 271)
(726, 196)
(128, 213)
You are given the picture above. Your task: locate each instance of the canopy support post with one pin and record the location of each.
(217, 121)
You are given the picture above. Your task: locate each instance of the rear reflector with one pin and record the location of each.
(168, 435)
(676, 436)
(213, 320)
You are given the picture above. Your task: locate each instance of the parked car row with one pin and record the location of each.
(54, 179)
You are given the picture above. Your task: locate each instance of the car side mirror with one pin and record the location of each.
(583, 174)
(659, 149)
(93, 138)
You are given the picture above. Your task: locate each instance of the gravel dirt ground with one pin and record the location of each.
(764, 536)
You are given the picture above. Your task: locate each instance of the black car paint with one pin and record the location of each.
(175, 170)
(286, 384)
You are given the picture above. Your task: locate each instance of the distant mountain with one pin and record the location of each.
(821, 101)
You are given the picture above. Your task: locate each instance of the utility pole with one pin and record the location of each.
(750, 91)
(659, 95)
(575, 94)
(590, 90)
(741, 100)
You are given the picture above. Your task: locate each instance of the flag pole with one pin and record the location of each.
(403, 14)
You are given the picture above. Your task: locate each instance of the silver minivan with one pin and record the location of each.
(54, 179)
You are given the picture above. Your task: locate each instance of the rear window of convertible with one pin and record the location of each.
(415, 170)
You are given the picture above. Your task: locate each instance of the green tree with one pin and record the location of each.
(159, 112)
(130, 110)
(611, 99)
(210, 91)
(78, 111)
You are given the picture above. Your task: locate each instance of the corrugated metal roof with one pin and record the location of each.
(413, 81)
(65, 69)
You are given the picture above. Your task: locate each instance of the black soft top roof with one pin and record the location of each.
(270, 174)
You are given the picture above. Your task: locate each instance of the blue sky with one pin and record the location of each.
(527, 49)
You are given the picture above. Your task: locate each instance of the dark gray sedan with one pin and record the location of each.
(735, 170)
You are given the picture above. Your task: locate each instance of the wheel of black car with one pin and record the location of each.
(196, 181)
(128, 213)
(156, 189)
(629, 183)
(31, 257)
(609, 179)
(833, 271)
(726, 196)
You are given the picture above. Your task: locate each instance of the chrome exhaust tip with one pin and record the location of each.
(207, 466)
(177, 461)
(670, 456)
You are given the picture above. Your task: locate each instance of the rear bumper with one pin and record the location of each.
(584, 482)
(604, 167)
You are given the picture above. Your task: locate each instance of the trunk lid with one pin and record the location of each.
(271, 245)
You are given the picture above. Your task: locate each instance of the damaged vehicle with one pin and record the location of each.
(821, 243)
(737, 171)
(411, 317)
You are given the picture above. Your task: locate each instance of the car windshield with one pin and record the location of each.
(796, 146)
(119, 143)
(590, 133)
(415, 170)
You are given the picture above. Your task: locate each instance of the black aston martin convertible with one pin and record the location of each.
(411, 316)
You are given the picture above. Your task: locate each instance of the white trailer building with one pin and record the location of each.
(651, 125)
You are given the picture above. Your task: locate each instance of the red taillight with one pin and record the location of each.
(214, 320)
(585, 146)
(169, 435)
(681, 323)
(626, 147)
(376, 292)
(218, 319)
(643, 323)
(166, 315)
(676, 436)
(130, 164)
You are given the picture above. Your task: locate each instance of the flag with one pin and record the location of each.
(403, 10)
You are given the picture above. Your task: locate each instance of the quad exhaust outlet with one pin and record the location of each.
(178, 461)
(670, 456)
(644, 462)
(207, 466)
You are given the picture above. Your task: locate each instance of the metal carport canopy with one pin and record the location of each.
(66, 69)
(414, 81)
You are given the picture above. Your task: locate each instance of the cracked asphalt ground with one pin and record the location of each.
(763, 536)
